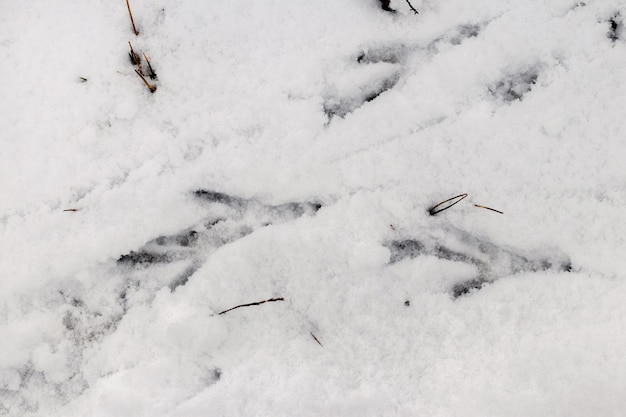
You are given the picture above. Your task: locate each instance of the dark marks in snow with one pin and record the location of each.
(455, 37)
(616, 27)
(490, 260)
(85, 316)
(395, 55)
(515, 86)
(341, 106)
(220, 198)
(234, 218)
(390, 54)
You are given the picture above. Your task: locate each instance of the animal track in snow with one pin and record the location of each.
(233, 219)
(365, 84)
(490, 260)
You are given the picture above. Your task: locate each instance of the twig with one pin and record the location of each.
(72, 209)
(488, 208)
(151, 74)
(131, 19)
(82, 79)
(412, 8)
(317, 340)
(150, 86)
(433, 210)
(252, 304)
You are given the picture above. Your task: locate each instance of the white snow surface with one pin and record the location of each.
(292, 151)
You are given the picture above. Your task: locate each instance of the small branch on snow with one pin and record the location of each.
(317, 340)
(131, 19)
(150, 86)
(253, 304)
(151, 74)
(488, 208)
(412, 8)
(433, 210)
(72, 209)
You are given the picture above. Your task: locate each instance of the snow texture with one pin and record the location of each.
(290, 153)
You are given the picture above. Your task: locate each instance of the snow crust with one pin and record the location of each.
(292, 150)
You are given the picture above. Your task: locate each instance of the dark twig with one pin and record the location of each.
(488, 208)
(433, 210)
(412, 8)
(151, 74)
(82, 79)
(131, 19)
(150, 86)
(317, 340)
(252, 304)
(72, 209)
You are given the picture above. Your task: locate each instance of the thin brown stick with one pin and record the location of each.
(433, 210)
(317, 340)
(150, 86)
(412, 8)
(131, 19)
(72, 209)
(152, 73)
(252, 304)
(488, 208)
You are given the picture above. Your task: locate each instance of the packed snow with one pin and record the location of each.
(254, 237)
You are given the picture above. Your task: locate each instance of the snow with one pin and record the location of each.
(290, 153)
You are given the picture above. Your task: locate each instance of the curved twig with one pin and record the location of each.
(433, 210)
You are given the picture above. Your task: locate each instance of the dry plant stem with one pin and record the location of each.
(434, 210)
(317, 340)
(72, 209)
(150, 86)
(135, 59)
(488, 208)
(412, 8)
(252, 304)
(131, 19)
(152, 74)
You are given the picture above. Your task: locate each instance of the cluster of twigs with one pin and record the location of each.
(439, 207)
(135, 59)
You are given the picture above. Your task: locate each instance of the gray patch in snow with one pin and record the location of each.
(342, 106)
(616, 27)
(515, 86)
